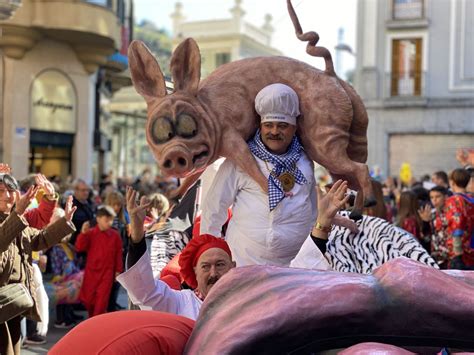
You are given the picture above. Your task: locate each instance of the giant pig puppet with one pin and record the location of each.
(201, 121)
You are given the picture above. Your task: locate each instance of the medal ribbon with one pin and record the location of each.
(281, 163)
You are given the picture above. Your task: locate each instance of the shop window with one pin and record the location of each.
(406, 67)
(222, 58)
(408, 9)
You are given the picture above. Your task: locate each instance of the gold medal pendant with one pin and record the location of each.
(287, 181)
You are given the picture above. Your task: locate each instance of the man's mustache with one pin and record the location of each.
(275, 137)
(212, 280)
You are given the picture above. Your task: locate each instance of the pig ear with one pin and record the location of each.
(186, 66)
(146, 73)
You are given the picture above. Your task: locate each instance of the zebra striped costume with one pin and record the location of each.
(377, 242)
(163, 245)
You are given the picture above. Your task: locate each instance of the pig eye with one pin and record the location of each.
(162, 130)
(186, 126)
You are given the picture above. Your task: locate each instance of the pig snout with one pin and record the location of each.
(177, 162)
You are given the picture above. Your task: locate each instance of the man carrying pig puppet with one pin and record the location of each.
(267, 229)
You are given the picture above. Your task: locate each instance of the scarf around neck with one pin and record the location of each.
(281, 163)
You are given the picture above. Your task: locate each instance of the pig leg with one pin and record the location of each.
(237, 150)
(335, 159)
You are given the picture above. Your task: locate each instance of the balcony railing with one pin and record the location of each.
(408, 9)
(405, 86)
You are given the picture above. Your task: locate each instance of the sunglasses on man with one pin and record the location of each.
(9, 181)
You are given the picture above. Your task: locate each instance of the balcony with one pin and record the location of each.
(90, 27)
(409, 90)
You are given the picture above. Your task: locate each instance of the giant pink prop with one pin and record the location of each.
(269, 310)
(204, 120)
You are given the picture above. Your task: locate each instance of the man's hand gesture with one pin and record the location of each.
(45, 184)
(465, 156)
(22, 202)
(86, 226)
(137, 213)
(69, 209)
(425, 213)
(330, 203)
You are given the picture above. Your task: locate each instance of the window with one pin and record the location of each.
(407, 9)
(222, 58)
(406, 67)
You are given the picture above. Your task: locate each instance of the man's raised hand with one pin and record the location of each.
(69, 209)
(137, 213)
(22, 202)
(330, 203)
(45, 184)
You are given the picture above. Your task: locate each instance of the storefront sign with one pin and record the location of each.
(53, 103)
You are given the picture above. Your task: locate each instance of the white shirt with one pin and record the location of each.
(255, 235)
(148, 293)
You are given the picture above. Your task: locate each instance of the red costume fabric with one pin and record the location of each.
(41, 216)
(193, 251)
(127, 332)
(460, 218)
(172, 269)
(411, 226)
(439, 239)
(104, 260)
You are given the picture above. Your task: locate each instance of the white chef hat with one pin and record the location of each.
(277, 103)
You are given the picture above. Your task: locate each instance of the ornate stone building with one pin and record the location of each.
(59, 58)
(415, 74)
(224, 40)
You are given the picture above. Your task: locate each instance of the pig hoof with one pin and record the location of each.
(370, 202)
(355, 215)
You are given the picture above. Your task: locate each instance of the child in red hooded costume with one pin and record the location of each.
(104, 260)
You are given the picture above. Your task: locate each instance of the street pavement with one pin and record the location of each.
(54, 334)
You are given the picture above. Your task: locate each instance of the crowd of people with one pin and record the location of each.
(71, 267)
(439, 212)
(71, 243)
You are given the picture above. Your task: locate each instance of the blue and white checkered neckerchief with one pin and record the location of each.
(281, 163)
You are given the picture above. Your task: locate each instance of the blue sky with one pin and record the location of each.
(322, 16)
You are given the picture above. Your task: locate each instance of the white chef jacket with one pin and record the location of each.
(255, 235)
(148, 293)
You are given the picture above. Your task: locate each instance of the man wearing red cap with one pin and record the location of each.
(202, 263)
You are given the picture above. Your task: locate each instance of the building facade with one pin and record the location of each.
(415, 74)
(224, 40)
(59, 58)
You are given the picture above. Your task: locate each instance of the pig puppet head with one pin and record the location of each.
(178, 130)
